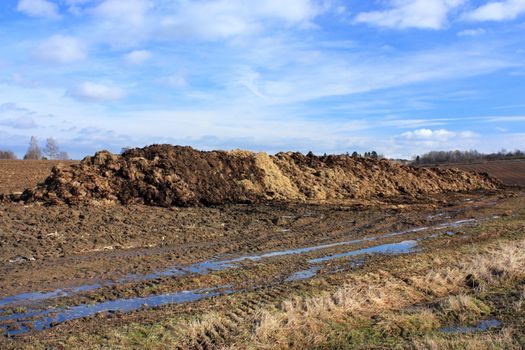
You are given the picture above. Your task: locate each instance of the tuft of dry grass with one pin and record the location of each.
(520, 303)
(464, 308)
(408, 324)
(490, 341)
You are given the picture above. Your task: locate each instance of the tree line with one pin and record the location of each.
(447, 157)
(51, 150)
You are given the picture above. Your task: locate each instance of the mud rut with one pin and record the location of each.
(250, 295)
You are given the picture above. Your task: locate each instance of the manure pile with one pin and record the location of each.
(166, 175)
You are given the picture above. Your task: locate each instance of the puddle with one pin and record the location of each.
(480, 327)
(404, 247)
(36, 296)
(218, 265)
(432, 217)
(26, 322)
(458, 223)
(304, 274)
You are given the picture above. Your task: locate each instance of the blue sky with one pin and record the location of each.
(398, 76)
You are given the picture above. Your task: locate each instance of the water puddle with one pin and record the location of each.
(208, 266)
(304, 274)
(36, 296)
(480, 327)
(404, 247)
(46, 319)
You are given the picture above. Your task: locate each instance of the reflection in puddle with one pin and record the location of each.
(47, 295)
(26, 322)
(217, 265)
(480, 327)
(393, 248)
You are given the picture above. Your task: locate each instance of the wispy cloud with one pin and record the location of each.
(439, 134)
(137, 57)
(401, 14)
(472, 32)
(39, 8)
(61, 49)
(96, 92)
(497, 11)
(16, 117)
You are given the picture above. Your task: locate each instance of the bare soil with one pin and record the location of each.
(18, 175)
(48, 247)
(510, 172)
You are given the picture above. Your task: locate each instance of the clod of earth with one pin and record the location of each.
(165, 175)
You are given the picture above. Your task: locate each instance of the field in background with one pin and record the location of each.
(17, 175)
(510, 172)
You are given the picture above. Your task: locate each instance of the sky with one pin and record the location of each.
(401, 77)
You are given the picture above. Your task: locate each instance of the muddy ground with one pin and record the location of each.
(165, 265)
(17, 175)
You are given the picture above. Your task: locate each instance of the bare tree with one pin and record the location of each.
(51, 150)
(446, 157)
(33, 152)
(8, 155)
(63, 156)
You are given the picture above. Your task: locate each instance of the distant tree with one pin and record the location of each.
(124, 150)
(355, 154)
(8, 155)
(446, 157)
(51, 150)
(63, 156)
(374, 155)
(33, 152)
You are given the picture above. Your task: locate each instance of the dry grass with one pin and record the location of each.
(301, 321)
(408, 324)
(501, 340)
(519, 305)
(464, 308)
(314, 321)
(184, 333)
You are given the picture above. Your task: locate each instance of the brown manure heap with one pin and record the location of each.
(166, 175)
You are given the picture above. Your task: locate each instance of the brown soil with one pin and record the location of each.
(88, 244)
(510, 172)
(18, 175)
(45, 247)
(166, 175)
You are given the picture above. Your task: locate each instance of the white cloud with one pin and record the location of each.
(129, 12)
(16, 117)
(61, 49)
(174, 80)
(95, 92)
(497, 11)
(436, 135)
(225, 18)
(424, 14)
(471, 32)
(130, 23)
(137, 57)
(38, 8)
(297, 78)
